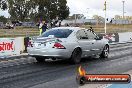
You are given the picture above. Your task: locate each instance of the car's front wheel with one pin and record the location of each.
(40, 59)
(76, 56)
(105, 52)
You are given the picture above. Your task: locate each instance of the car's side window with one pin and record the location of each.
(81, 34)
(90, 35)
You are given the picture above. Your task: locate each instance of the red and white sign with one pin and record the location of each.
(11, 46)
(7, 46)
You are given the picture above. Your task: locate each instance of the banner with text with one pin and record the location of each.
(9, 46)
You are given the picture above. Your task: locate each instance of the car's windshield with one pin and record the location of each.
(58, 33)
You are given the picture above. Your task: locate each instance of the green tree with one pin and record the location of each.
(3, 4)
(50, 9)
(3, 19)
(63, 9)
(20, 9)
(36, 9)
(99, 19)
(117, 17)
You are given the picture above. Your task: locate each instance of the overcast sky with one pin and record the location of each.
(95, 7)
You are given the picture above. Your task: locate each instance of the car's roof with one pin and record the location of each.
(71, 28)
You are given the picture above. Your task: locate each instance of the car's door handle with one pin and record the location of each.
(92, 43)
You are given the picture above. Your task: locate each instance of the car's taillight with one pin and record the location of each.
(58, 46)
(30, 44)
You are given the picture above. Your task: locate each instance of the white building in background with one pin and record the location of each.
(121, 21)
(79, 21)
(94, 21)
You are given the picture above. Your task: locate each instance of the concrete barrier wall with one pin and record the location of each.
(20, 45)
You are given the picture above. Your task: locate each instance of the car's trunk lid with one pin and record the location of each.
(44, 42)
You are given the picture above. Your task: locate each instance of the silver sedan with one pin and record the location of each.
(71, 43)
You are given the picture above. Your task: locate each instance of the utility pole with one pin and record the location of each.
(87, 11)
(105, 8)
(75, 19)
(123, 9)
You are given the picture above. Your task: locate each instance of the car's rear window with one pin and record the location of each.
(58, 33)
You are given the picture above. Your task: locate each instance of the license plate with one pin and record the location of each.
(39, 45)
(36, 44)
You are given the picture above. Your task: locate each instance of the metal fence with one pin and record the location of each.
(28, 24)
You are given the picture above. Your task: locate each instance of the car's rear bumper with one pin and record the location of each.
(49, 53)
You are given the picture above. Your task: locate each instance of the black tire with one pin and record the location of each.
(105, 52)
(40, 59)
(76, 56)
(81, 80)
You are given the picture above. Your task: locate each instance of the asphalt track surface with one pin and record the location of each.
(27, 73)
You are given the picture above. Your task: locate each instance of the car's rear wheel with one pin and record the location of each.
(76, 56)
(105, 52)
(40, 59)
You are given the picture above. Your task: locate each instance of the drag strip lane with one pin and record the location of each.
(28, 59)
(112, 48)
(36, 67)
